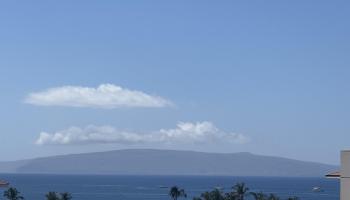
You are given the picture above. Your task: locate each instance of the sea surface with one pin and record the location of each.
(104, 187)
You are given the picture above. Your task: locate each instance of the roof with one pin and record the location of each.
(333, 175)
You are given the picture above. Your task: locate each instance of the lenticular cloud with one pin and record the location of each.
(104, 96)
(185, 132)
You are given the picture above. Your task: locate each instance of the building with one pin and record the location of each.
(343, 175)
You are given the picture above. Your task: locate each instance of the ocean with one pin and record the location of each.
(105, 187)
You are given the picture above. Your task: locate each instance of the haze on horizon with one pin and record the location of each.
(89, 76)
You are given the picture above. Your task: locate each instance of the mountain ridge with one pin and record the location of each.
(167, 162)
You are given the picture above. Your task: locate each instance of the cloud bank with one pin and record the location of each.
(104, 96)
(185, 132)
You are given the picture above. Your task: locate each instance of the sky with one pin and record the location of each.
(266, 77)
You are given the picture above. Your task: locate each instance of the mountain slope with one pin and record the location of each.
(168, 162)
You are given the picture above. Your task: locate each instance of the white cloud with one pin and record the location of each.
(104, 96)
(185, 132)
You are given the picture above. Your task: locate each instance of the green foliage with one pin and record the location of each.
(52, 196)
(66, 196)
(216, 194)
(239, 192)
(13, 194)
(259, 196)
(176, 193)
(58, 196)
(273, 197)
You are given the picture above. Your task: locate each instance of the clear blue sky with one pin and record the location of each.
(275, 71)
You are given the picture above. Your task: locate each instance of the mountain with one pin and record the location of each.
(167, 162)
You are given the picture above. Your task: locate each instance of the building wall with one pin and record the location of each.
(345, 176)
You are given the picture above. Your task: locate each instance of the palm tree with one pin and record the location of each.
(240, 191)
(216, 194)
(273, 197)
(230, 196)
(52, 196)
(13, 194)
(66, 196)
(175, 193)
(259, 195)
(205, 196)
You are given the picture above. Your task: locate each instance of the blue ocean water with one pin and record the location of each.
(96, 187)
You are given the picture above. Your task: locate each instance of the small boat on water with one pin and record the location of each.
(317, 189)
(4, 183)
